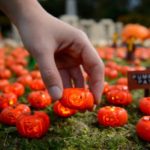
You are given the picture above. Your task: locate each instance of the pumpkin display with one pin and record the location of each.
(106, 87)
(3, 83)
(39, 99)
(124, 70)
(63, 111)
(19, 52)
(112, 65)
(15, 88)
(37, 84)
(35, 74)
(113, 74)
(33, 125)
(112, 116)
(77, 98)
(18, 69)
(21, 82)
(144, 105)
(122, 81)
(119, 97)
(143, 128)
(10, 114)
(135, 30)
(5, 73)
(7, 99)
(25, 80)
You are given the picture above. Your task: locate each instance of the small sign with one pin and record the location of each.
(139, 79)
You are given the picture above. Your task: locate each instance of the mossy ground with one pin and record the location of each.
(80, 132)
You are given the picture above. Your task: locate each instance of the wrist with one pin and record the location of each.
(22, 11)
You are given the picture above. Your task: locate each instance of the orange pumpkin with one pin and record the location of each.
(119, 97)
(62, 110)
(143, 128)
(33, 125)
(10, 114)
(135, 30)
(7, 99)
(77, 98)
(39, 99)
(112, 116)
(144, 105)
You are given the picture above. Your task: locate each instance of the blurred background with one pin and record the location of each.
(136, 11)
(92, 11)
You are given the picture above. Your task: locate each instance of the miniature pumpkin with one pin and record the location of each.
(63, 111)
(112, 116)
(10, 114)
(143, 128)
(7, 99)
(77, 98)
(39, 99)
(119, 97)
(37, 84)
(15, 88)
(144, 105)
(33, 125)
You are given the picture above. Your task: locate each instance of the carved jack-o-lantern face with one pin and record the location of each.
(10, 114)
(119, 97)
(112, 116)
(77, 98)
(33, 126)
(39, 99)
(63, 111)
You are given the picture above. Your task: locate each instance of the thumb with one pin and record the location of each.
(50, 75)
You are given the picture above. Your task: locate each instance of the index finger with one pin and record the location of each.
(94, 66)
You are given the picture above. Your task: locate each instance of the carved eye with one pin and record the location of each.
(77, 98)
(81, 97)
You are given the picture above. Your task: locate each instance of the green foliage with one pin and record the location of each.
(31, 63)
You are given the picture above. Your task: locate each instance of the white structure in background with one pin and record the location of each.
(86, 26)
(72, 20)
(119, 27)
(71, 8)
(71, 13)
(108, 28)
(98, 32)
(147, 43)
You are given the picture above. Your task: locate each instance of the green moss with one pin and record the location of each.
(81, 131)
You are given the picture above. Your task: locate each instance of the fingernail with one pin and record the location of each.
(55, 92)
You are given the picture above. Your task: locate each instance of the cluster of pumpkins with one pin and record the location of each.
(28, 118)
